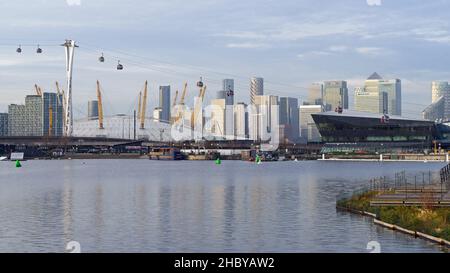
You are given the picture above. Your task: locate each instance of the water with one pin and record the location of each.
(154, 206)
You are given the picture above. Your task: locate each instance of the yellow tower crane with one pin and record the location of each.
(38, 90)
(144, 106)
(139, 106)
(100, 107)
(183, 95)
(175, 99)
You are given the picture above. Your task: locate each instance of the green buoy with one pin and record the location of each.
(258, 159)
(18, 165)
(218, 161)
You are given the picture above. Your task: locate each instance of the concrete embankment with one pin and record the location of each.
(416, 234)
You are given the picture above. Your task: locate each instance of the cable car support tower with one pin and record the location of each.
(68, 113)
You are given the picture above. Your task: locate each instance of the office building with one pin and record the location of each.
(217, 125)
(308, 129)
(440, 102)
(264, 118)
(379, 96)
(435, 111)
(256, 89)
(439, 89)
(92, 109)
(289, 117)
(335, 94)
(3, 124)
(26, 120)
(315, 94)
(228, 85)
(240, 121)
(52, 107)
(164, 103)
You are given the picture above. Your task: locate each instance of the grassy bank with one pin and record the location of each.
(432, 221)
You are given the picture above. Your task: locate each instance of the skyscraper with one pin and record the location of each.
(379, 96)
(289, 118)
(164, 103)
(92, 109)
(3, 124)
(240, 121)
(256, 88)
(263, 117)
(335, 94)
(308, 127)
(439, 89)
(228, 85)
(52, 110)
(26, 120)
(315, 94)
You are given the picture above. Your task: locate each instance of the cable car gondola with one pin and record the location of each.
(119, 66)
(38, 50)
(19, 49)
(101, 59)
(200, 83)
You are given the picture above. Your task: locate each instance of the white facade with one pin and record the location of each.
(256, 89)
(308, 128)
(240, 121)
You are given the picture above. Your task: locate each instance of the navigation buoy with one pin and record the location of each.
(18, 165)
(258, 159)
(218, 161)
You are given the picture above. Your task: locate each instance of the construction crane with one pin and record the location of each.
(183, 95)
(58, 92)
(144, 106)
(38, 90)
(175, 99)
(139, 106)
(198, 107)
(100, 107)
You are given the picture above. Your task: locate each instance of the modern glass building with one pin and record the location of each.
(52, 111)
(289, 117)
(359, 127)
(3, 124)
(335, 94)
(164, 103)
(256, 89)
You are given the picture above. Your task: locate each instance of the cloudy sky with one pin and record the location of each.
(291, 43)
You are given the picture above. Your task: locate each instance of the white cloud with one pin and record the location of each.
(247, 45)
(371, 51)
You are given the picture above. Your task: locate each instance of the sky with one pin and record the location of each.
(290, 43)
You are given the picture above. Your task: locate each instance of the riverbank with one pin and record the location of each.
(425, 222)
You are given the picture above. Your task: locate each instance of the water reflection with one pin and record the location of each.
(149, 206)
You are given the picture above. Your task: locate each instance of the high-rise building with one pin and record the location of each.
(289, 118)
(228, 85)
(335, 94)
(439, 89)
(3, 124)
(435, 111)
(315, 94)
(164, 103)
(379, 96)
(52, 105)
(217, 124)
(33, 118)
(26, 120)
(92, 109)
(263, 117)
(308, 128)
(256, 88)
(240, 121)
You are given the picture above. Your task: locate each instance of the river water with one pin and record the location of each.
(187, 206)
